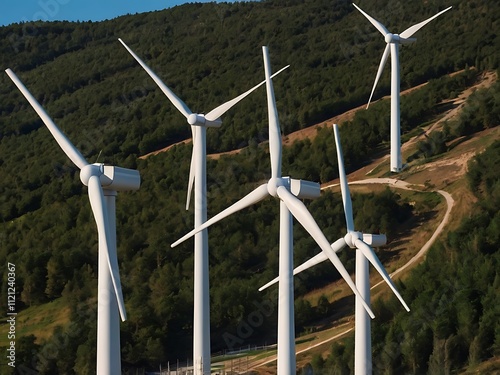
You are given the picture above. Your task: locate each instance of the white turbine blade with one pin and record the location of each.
(272, 282)
(176, 101)
(407, 40)
(220, 110)
(304, 217)
(344, 187)
(69, 149)
(317, 259)
(191, 168)
(373, 259)
(255, 196)
(321, 257)
(97, 203)
(373, 21)
(274, 125)
(413, 29)
(383, 61)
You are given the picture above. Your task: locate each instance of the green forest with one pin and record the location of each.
(454, 322)
(207, 54)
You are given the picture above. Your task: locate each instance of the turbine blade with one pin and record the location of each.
(69, 149)
(274, 125)
(304, 217)
(321, 257)
(176, 101)
(317, 259)
(373, 21)
(373, 259)
(338, 245)
(191, 168)
(344, 187)
(220, 110)
(413, 29)
(253, 197)
(383, 61)
(98, 205)
(407, 40)
(272, 282)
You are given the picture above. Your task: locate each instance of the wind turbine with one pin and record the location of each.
(362, 243)
(103, 183)
(393, 41)
(197, 175)
(287, 191)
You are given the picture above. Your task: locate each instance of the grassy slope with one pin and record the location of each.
(38, 320)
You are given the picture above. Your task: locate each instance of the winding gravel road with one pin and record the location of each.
(398, 184)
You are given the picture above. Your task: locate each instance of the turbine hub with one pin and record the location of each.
(351, 237)
(120, 179)
(391, 38)
(91, 170)
(196, 119)
(273, 184)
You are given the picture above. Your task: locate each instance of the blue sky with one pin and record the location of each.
(78, 10)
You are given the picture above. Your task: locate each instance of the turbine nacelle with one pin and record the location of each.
(305, 189)
(374, 240)
(120, 179)
(111, 177)
(300, 188)
(196, 119)
(395, 38)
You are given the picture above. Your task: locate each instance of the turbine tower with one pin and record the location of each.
(362, 243)
(197, 175)
(287, 191)
(103, 183)
(393, 41)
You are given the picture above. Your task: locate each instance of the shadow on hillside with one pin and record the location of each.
(447, 106)
(337, 311)
(387, 254)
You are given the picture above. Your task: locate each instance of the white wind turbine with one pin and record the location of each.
(286, 190)
(362, 242)
(393, 41)
(103, 183)
(197, 175)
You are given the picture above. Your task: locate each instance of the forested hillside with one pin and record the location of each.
(454, 323)
(208, 54)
